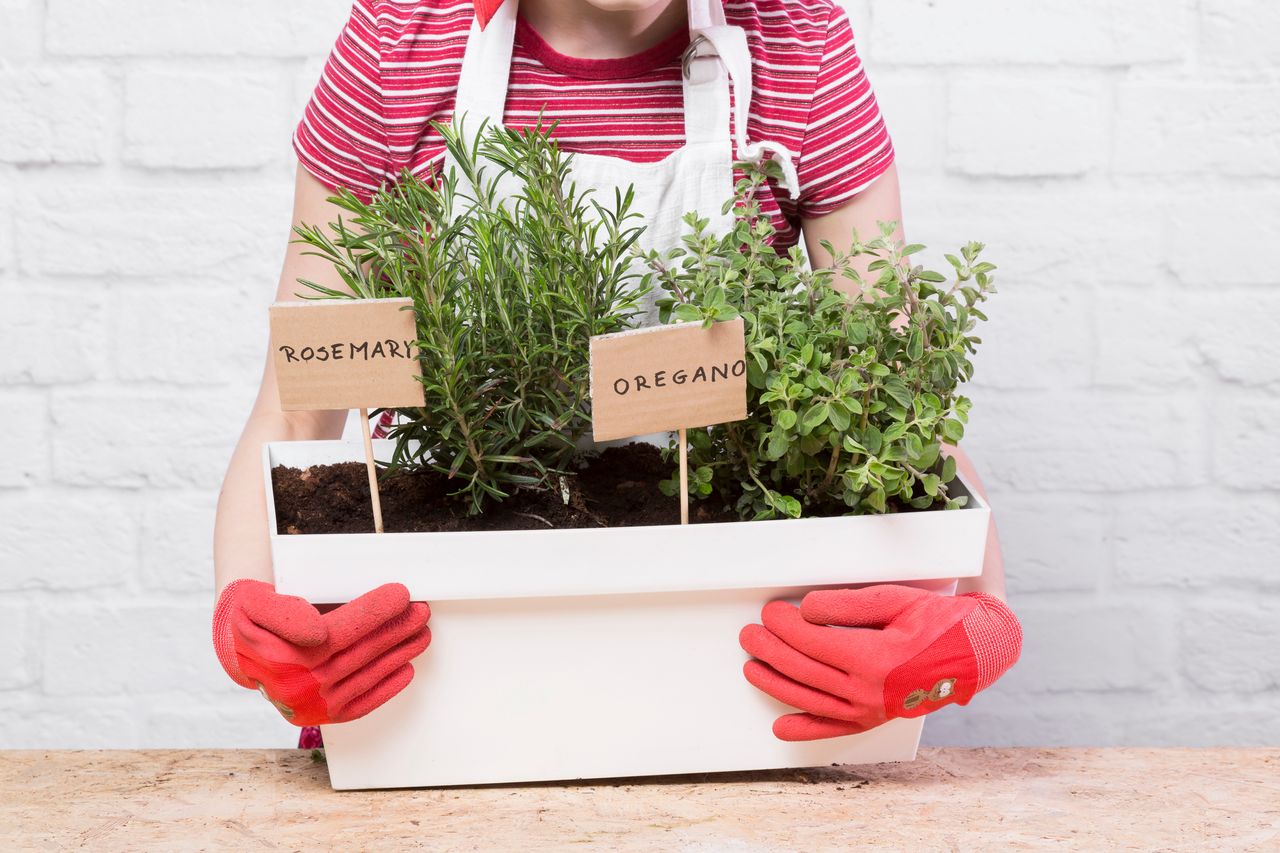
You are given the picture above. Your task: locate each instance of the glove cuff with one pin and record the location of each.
(224, 641)
(996, 637)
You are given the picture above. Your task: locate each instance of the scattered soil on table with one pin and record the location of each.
(617, 488)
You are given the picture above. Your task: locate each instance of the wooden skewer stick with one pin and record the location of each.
(684, 477)
(373, 471)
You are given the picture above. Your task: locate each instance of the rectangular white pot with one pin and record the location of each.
(579, 654)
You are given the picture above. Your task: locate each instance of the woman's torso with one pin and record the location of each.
(395, 70)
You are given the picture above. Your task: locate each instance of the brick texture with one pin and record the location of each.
(1053, 32)
(21, 35)
(55, 115)
(24, 420)
(1169, 128)
(153, 232)
(1120, 160)
(183, 29)
(245, 122)
(1240, 32)
(1026, 125)
(53, 335)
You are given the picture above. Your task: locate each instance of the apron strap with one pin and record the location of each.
(486, 68)
(730, 45)
(705, 13)
(706, 83)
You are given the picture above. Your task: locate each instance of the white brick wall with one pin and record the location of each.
(244, 121)
(1120, 159)
(1026, 125)
(55, 115)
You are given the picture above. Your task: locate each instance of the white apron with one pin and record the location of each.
(698, 176)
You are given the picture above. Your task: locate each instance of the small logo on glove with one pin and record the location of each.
(280, 706)
(942, 690)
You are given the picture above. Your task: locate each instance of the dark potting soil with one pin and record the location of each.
(618, 488)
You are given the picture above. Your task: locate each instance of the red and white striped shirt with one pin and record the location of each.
(395, 69)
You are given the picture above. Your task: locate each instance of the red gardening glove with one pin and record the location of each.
(319, 669)
(900, 652)
(485, 10)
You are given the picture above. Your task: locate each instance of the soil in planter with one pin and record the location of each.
(618, 488)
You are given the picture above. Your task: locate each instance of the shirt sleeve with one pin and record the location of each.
(846, 144)
(342, 138)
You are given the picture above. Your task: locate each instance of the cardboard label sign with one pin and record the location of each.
(667, 378)
(346, 354)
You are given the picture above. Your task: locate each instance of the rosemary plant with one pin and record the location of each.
(507, 294)
(849, 399)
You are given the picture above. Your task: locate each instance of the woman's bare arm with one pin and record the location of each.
(240, 544)
(881, 202)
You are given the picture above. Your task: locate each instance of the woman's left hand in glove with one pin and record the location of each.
(851, 659)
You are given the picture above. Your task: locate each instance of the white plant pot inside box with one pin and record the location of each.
(596, 653)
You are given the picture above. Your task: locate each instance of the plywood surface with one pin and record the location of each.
(950, 799)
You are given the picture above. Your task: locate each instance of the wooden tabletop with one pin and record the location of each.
(950, 799)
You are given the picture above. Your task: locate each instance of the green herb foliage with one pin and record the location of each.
(507, 295)
(849, 399)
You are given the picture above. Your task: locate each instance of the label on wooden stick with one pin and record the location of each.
(346, 354)
(667, 377)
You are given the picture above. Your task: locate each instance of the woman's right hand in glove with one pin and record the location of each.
(320, 668)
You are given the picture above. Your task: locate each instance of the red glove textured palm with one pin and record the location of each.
(319, 668)
(897, 652)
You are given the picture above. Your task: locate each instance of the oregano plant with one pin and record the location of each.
(508, 290)
(851, 396)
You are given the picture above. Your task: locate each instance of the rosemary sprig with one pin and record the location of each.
(507, 294)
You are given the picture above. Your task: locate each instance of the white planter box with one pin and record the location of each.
(578, 654)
